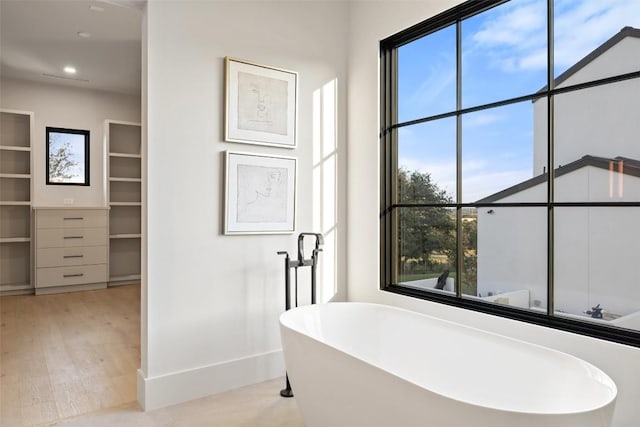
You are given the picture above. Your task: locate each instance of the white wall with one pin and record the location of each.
(213, 301)
(68, 107)
(512, 251)
(594, 247)
(369, 23)
(586, 118)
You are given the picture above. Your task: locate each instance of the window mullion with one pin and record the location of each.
(459, 247)
(550, 161)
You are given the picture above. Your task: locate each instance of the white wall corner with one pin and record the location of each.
(171, 389)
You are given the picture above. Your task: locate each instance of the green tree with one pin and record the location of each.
(427, 236)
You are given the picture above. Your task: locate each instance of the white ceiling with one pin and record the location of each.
(39, 38)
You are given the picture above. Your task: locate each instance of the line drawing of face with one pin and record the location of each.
(262, 104)
(272, 179)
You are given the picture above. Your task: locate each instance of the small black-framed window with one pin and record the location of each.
(67, 156)
(510, 175)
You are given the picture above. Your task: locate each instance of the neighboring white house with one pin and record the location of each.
(597, 159)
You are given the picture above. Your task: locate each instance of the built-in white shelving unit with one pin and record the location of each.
(124, 182)
(16, 190)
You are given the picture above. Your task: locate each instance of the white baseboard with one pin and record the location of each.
(178, 387)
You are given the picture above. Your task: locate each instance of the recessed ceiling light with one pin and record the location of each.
(96, 8)
(69, 69)
(84, 34)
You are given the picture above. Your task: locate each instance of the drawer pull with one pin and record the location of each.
(74, 237)
(73, 256)
(74, 275)
(79, 218)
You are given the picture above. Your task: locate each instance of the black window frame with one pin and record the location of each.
(388, 154)
(86, 160)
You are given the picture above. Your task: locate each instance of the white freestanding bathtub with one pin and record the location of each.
(357, 364)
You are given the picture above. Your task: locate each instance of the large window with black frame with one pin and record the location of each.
(511, 162)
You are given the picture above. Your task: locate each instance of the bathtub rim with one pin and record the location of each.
(315, 307)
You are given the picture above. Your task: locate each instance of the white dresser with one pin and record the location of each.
(71, 249)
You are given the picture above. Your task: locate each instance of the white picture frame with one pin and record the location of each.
(260, 194)
(260, 104)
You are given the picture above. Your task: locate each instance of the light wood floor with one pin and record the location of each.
(258, 405)
(71, 360)
(67, 354)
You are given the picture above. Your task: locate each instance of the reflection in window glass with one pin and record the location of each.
(504, 52)
(427, 248)
(510, 256)
(427, 75)
(427, 152)
(497, 147)
(582, 26)
(596, 264)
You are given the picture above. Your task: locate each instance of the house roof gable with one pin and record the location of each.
(617, 38)
(631, 167)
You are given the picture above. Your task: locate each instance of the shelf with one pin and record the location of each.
(125, 167)
(125, 204)
(15, 203)
(14, 239)
(125, 236)
(131, 156)
(120, 179)
(124, 175)
(14, 148)
(8, 287)
(15, 162)
(127, 277)
(15, 175)
(124, 278)
(15, 206)
(15, 265)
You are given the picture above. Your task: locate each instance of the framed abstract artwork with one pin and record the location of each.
(261, 104)
(260, 194)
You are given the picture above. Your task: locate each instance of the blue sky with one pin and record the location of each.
(503, 56)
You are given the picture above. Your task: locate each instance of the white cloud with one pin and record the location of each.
(474, 165)
(483, 184)
(583, 25)
(482, 119)
(405, 132)
(430, 91)
(535, 60)
(478, 179)
(514, 25)
(516, 37)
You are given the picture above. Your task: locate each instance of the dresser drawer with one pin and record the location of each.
(74, 275)
(83, 255)
(70, 237)
(71, 218)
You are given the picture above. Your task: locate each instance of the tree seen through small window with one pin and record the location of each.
(61, 160)
(67, 156)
